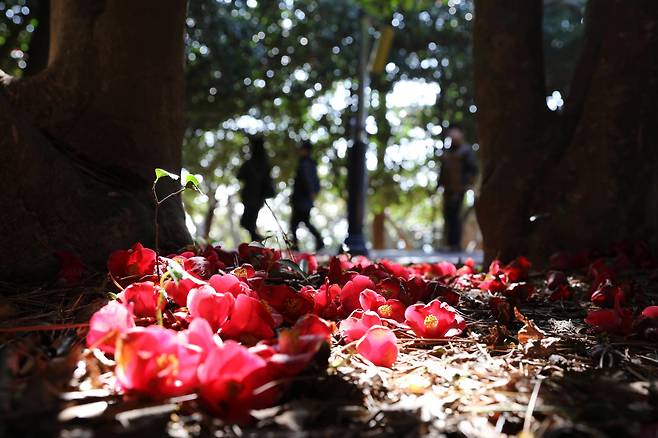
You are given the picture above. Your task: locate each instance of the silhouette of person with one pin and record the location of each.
(257, 186)
(306, 188)
(458, 171)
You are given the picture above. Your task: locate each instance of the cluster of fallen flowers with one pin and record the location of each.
(237, 327)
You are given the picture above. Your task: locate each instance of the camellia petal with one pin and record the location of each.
(204, 302)
(107, 324)
(379, 346)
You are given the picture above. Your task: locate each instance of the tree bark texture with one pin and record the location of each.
(82, 137)
(584, 177)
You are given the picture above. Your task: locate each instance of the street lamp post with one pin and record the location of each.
(357, 176)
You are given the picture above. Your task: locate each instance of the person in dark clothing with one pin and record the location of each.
(306, 188)
(458, 171)
(257, 186)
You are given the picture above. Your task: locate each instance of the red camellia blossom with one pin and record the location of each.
(379, 346)
(258, 256)
(292, 305)
(133, 264)
(349, 295)
(434, 320)
(230, 379)
(314, 325)
(414, 290)
(357, 324)
(618, 320)
(390, 309)
(107, 324)
(443, 269)
(156, 361)
(467, 269)
(200, 267)
(200, 333)
(228, 283)
(307, 261)
(650, 312)
(326, 300)
(204, 302)
(606, 293)
(144, 297)
(250, 321)
(389, 288)
(178, 291)
(370, 300)
(517, 270)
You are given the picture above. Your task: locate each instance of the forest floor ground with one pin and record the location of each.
(565, 381)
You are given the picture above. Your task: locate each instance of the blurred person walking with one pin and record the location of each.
(257, 186)
(458, 172)
(306, 188)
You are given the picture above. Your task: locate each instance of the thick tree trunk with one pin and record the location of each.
(583, 178)
(83, 136)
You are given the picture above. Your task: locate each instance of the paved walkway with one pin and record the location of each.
(419, 256)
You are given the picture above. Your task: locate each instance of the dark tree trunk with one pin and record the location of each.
(37, 57)
(82, 137)
(583, 178)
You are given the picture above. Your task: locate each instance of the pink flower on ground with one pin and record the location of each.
(443, 269)
(204, 302)
(179, 291)
(249, 322)
(390, 309)
(349, 295)
(379, 346)
(370, 300)
(200, 333)
(227, 283)
(325, 300)
(434, 320)
(357, 324)
(107, 324)
(156, 361)
(230, 379)
(144, 298)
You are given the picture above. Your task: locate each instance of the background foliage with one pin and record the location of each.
(287, 70)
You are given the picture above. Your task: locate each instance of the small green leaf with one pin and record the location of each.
(192, 182)
(175, 270)
(159, 173)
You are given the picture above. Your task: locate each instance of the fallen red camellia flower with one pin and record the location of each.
(379, 346)
(356, 325)
(107, 324)
(350, 293)
(204, 302)
(144, 297)
(229, 379)
(249, 321)
(434, 320)
(131, 265)
(156, 361)
(617, 320)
